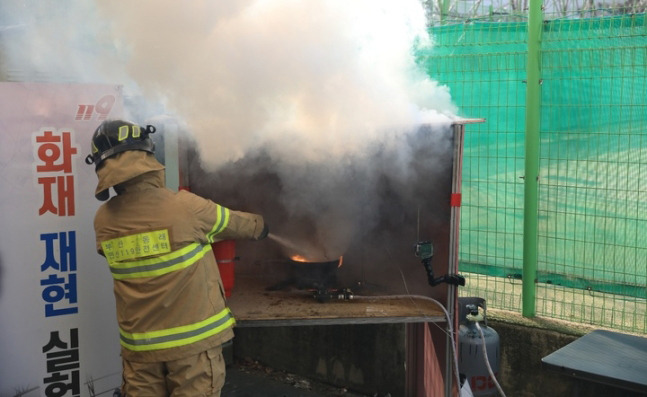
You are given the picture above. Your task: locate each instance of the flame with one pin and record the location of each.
(299, 258)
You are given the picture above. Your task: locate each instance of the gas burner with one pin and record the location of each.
(326, 295)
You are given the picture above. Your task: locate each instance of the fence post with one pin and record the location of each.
(444, 10)
(531, 180)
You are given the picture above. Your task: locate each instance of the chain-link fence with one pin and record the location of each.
(592, 218)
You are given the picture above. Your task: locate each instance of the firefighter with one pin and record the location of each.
(170, 300)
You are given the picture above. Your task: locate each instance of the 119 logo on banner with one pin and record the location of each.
(102, 108)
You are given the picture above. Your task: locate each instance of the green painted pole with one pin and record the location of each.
(444, 10)
(533, 104)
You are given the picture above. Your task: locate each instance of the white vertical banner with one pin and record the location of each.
(58, 331)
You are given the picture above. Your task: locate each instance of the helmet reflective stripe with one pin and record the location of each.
(222, 220)
(178, 336)
(124, 131)
(159, 265)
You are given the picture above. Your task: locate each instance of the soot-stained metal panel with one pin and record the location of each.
(370, 210)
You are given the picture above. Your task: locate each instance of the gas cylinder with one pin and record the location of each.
(471, 357)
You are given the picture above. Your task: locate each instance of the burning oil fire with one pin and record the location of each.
(303, 259)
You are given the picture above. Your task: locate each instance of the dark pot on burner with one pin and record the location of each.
(314, 275)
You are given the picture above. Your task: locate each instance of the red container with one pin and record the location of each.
(225, 253)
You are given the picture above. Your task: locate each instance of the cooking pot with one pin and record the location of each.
(317, 275)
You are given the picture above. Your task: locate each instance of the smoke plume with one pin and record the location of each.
(305, 111)
(316, 78)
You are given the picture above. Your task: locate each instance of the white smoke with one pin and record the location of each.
(310, 78)
(323, 87)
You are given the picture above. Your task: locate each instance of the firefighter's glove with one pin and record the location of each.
(264, 232)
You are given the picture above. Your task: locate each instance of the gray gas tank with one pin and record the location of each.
(471, 357)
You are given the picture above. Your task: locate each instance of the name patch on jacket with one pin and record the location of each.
(137, 246)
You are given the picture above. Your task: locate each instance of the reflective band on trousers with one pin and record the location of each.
(178, 336)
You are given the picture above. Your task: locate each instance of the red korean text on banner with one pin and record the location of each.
(55, 172)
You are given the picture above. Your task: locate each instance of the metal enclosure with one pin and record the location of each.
(386, 202)
(387, 220)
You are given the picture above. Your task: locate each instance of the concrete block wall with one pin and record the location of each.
(365, 358)
(371, 358)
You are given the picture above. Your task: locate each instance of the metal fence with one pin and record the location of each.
(591, 241)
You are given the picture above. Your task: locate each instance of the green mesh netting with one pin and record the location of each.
(593, 167)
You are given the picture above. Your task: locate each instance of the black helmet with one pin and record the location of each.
(116, 136)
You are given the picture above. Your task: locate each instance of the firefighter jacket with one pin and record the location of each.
(169, 295)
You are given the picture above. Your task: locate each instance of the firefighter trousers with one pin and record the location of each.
(199, 375)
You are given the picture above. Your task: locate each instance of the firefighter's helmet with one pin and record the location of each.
(116, 136)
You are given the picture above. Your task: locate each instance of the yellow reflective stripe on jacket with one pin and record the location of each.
(222, 220)
(178, 336)
(159, 265)
(162, 264)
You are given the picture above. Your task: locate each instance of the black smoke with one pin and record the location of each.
(371, 209)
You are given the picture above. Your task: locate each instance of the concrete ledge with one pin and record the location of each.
(524, 342)
(563, 327)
